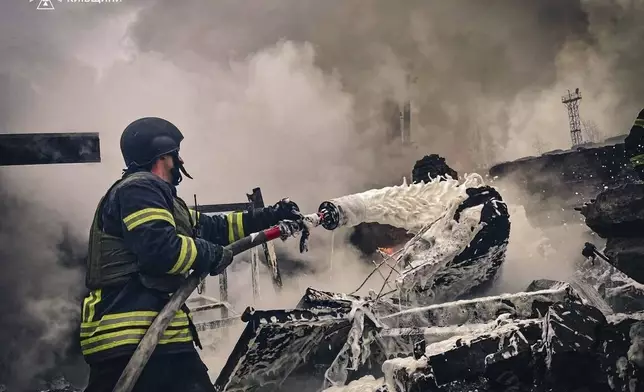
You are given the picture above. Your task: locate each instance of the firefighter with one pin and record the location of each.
(634, 145)
(144, 240)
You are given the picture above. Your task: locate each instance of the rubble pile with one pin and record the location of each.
(573, 347)
(543, 340)
(327, 340)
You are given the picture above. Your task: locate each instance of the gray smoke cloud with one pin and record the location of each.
(38, 289)
(289, 95)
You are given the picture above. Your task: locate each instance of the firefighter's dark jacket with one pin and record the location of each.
(143, 242)
(634, 144)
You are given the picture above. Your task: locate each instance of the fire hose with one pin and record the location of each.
(327, 218)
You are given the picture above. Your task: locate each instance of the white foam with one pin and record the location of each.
(406, 206)
(391, 366)
(364, 384)
(441, 243)
(428, 209)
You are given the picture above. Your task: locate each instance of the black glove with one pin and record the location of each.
(213, 258)
(286, 209)
(262, 218)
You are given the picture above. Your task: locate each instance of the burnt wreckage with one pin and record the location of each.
(554, 336)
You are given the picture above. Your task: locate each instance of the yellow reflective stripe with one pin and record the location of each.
(86, 301)
(88, 332)
(639, 123)
(240, 224)
(180, 314)
(235, 226)
(89, 305)
(191, 255)
(134, 331)
(106, 324)
(130, 336)
(187, 255)
(138, 218)
(195, 216)
(638, 160)
(113, 316)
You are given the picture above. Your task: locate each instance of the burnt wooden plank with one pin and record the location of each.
(49, 148)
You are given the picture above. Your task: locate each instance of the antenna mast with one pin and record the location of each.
(571, 100)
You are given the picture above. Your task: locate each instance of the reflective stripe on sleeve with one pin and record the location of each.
(195, 216)
(145, 215)
(187, 256)
(89, 305)
(235, 226)
(639, 123)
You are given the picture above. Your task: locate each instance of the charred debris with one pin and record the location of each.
(582, 335)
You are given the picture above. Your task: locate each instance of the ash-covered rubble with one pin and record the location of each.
(546, 339)
(574, 347)
(328, 339)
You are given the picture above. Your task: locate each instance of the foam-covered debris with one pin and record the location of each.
(364, 384)
(570, 337)
(484, 309)
(572, 348)
(618, 368)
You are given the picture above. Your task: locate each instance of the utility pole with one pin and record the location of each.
(571, 100)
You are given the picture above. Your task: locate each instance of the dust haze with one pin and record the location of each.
(287, 95)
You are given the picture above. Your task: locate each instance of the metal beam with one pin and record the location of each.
(49, 148)
(269, 249)
(227, 207)
(216, 324)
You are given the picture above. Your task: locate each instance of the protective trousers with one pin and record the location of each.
(184, 372)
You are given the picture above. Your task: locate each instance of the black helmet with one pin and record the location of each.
(148, 138)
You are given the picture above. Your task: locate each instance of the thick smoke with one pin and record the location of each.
(39, 293)
(287, 95)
